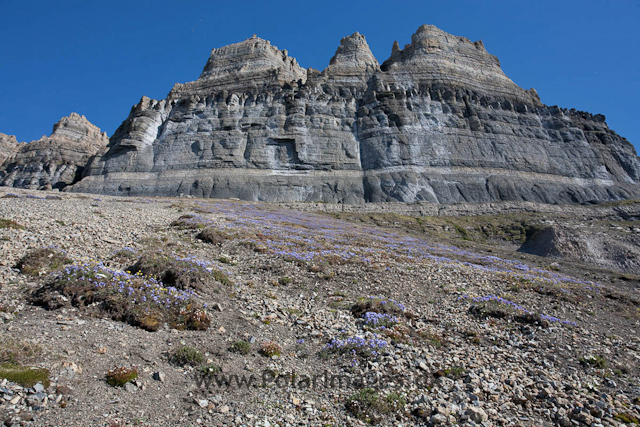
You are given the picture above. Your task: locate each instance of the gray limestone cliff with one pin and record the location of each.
(54, 161)
(438, 121)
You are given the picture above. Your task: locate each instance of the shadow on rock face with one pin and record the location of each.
(614, 248)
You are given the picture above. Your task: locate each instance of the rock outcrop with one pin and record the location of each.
(438, 121)
(8, 147)
(55, 161)
(615, 248)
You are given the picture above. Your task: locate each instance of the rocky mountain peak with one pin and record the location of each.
(8, 146)
(77, 127)
(53, 161)
(437, 57)
(250, 64)
(353, 58)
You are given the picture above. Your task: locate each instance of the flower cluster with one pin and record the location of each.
(511, 304)
(138, 289)
(308, 238)
(141, 300)
(379, 320)
(126, 249)
(356, 345)
(387, 302)
(191, 264)
(555, 320)
(499, 300)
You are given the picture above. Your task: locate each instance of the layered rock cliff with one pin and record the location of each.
(55, 161)
(438, 121)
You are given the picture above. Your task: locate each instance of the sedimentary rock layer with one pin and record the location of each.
(438, 121)
(55, 161)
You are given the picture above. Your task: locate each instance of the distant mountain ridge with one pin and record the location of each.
(54, 161)
(438, 121)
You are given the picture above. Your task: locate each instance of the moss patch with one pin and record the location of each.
(26, 376)
(45, 260)
(9, 223)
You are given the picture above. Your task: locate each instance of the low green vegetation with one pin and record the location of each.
(187, 356)
(209, 370)
(241, 347)
(453, 372)
(120, 375)
(377, 305)
(181, 273)
(626, 418)
(371, 406)
(284, 281)
(133, 298)
(187, 222)
(42, 261)
(15, 351)
(595, 361)
(213, 236)
(15, 355)
(9, 223)
(510, 227)
(270, 349)
(26, 376)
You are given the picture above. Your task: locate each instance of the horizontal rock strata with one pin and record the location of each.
(55, 161)
(438, 121)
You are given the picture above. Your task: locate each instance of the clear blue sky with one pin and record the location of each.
(98, 58)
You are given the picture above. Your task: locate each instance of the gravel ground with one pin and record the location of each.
(468, 339)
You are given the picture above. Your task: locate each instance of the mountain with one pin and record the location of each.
(54, 161)
(438, 121)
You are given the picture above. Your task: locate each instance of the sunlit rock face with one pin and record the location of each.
(438, 121)
(54, 161)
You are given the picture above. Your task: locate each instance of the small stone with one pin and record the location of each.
(564, 421)
(584, 418)
(159, 376)
(203, 403)
(438, 419)
(72, 366)
(224, 409)
(130, 387)
(222, 330)
(65, 390)
(25, 416)
(39, 388)
(477, 414)
(217, 306)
